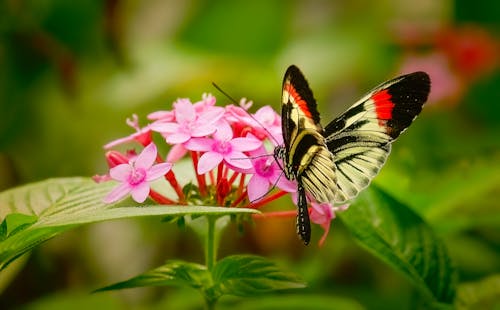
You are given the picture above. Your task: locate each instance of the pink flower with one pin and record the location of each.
(222, 147)
(136, 175)
(176, 153)
(322, 214)
(188, 122)
(167, 116)
(446, 86)
(266, 173)
(142, 135)
(207, 101)
(265, 123)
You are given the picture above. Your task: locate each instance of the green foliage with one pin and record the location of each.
(397, 235)
(482, 294)
(173, 273)
(246, 275)
(37, 212)
(239, 275)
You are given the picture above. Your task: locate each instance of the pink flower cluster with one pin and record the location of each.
(228, 148)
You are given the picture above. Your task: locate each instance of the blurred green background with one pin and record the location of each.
(71, 72)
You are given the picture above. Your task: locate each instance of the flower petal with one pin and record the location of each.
(245, 144)
(162, 115)
(157, 171)
(117, 193)
(164, 127)
(285, 184)
(224, 132)
(321, 213)
(238, 159)
(140, 192)
(257, 187)
(203, 130)
(211, 115)
(184, 111)
(177, 138)
(120, 172)
(147, 157)
(176, 152)
(208, 161)
(199, 144)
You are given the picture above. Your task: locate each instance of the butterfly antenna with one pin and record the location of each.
(225, 94)
(249, 114)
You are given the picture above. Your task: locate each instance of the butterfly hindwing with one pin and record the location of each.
(360, 138)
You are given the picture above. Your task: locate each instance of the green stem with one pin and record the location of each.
(210, 255)
(210, 304)
(210, 244)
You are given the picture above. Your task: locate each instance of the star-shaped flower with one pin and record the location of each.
(136, 175)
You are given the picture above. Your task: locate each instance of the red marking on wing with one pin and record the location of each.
(298, 100)
(383, 106)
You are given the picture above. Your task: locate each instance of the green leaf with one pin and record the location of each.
(397, 235)
(483, 294)
(15, 222)
(247, 275)
(39, 211)
(175, 272)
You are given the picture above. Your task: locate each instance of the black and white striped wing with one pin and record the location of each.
(360, 139)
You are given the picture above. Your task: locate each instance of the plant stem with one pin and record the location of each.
(210, 256)
(210, 304)
(210, 243)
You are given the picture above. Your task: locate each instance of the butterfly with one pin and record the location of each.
(333, 164)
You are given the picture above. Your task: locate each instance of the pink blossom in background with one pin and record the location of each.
(454, 57)
(135, 176)
(446, 86)
(471, 50)
(142, 135)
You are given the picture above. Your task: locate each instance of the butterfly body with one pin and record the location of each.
(334, 164)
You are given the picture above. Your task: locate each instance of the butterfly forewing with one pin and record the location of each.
(305, 155)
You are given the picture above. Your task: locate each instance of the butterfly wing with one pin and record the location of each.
(360, 138)
(305, 155)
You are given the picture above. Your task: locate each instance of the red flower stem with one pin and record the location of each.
(159, 198)
(239, 199)
(267, 199)
(170, 177)
(220, 169)
(233, 178)
(285, 214)
(241, 187)
(211, 176)
(202, 185)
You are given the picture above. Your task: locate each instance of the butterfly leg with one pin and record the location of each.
(303, 223)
